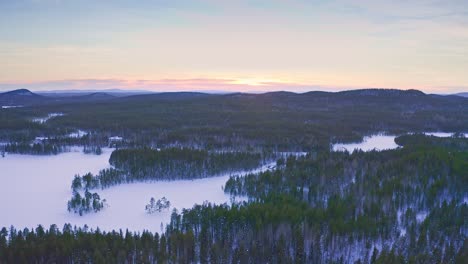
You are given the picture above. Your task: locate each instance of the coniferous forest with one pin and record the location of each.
(406, 205)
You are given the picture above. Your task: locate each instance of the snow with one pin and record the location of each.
(443, 134)
(381, 142)
(10, 106)
(421, 216)
(403, 232)
(377, 142)
(78, 134)
(35, 190)
(42, 120)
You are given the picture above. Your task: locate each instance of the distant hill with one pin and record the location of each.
(100, 96)
(20, 97)
(167, 96)
(462, 94)
(113, 92)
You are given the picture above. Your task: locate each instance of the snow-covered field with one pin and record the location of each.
(380, 142)
(35, 190)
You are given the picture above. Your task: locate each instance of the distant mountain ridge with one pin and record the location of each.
(384, 92)
(374, 96)
(113, 92)
(25, 97)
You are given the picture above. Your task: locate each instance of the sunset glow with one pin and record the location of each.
(234, 45)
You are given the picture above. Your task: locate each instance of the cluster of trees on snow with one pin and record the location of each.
(182, 163)
(33, 143)
(92, 150)
(88, 202)
(148, 164)
(157, 206)
(145, 164)
(43, 148)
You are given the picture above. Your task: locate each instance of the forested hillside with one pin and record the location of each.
(279, 121)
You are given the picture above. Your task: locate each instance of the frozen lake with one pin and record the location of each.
(380, 142)
(35, 190)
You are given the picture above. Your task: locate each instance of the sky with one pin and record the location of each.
(219, 45)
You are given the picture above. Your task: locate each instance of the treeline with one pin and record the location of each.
(253, 233)
(457, 141)
(281, 229)
(32, 144)
(45, 148)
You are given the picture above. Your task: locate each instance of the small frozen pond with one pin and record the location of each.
(380, 142)
(35, 190)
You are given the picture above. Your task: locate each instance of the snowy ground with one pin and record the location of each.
(42, 120)
(35, 190)
(377, 142)
(381, 142)
(78, 134)
(10, 106)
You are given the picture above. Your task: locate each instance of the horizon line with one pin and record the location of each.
(209, 85)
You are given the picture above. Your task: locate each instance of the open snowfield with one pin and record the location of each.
(35, 190)
(377, 142)
(381, 142)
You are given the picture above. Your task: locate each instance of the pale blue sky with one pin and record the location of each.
(234, 45)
